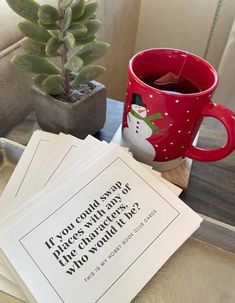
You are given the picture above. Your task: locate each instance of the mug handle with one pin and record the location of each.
(227, 117)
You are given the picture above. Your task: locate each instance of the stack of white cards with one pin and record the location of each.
(81, 220)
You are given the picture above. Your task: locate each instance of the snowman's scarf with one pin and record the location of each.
(148, 119)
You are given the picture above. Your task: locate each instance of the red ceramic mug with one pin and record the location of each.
(160, 125)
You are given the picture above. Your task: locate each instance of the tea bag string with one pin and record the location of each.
(170, 77)
(183, 65)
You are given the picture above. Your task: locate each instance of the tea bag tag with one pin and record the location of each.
(169, 78)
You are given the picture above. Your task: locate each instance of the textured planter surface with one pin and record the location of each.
(81, 118)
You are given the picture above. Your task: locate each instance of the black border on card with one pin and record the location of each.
(21, 240)
(22, 181)
(72, 146)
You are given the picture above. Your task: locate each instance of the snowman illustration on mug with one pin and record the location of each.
(139, 128)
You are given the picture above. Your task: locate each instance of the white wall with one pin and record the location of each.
(182, 24)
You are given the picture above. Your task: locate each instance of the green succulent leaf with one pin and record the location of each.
(66, 3)
(92, 52)
(35, 64)
(52, 85)
(55, 33)
(34, 48)
(78, 9)
(92, 17)
(70, 41)
(34, 32)
(79, 32)
(74, 64)
(67, 18)
(28, 9)
(90, 9)
(84, 41)
(78, 28)
(37, 81)
(86, 74)
(52, 46)
(92, 27)
(48, 14)
(48, 26)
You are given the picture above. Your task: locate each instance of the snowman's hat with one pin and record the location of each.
(137, 99)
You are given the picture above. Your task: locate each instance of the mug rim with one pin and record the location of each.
(198, 94)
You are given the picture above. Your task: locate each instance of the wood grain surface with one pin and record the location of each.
(211, 188)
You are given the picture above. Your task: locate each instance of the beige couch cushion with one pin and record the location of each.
(8, 20)
(9, 33)
(15, 95)
(225, 93)
(183, 24)
(198, 272)
(220, 31)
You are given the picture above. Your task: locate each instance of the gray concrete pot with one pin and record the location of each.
(81, 118)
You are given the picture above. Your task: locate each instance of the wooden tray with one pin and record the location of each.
(10, 153)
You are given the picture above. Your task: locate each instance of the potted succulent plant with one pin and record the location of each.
(65, 95)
